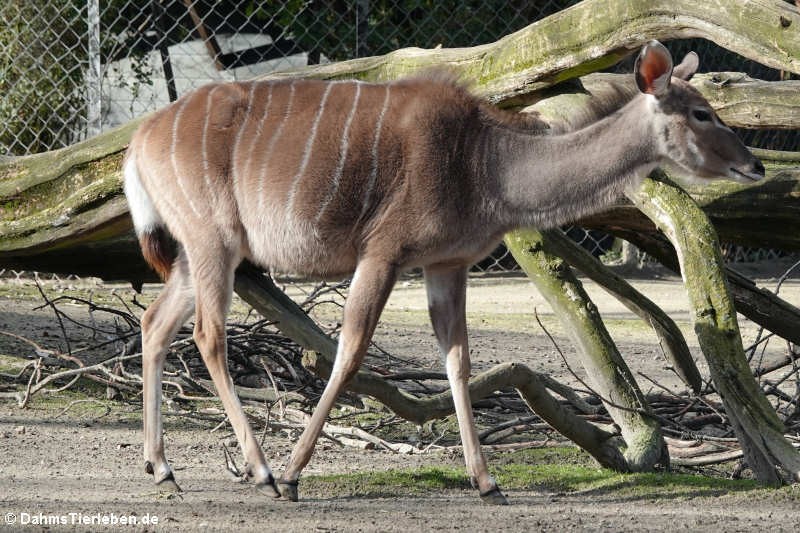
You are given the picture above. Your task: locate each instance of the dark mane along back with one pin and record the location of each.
(457, 90)
(608, 94)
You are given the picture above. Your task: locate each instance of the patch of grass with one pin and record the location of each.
(10, 364)
(79, 391)
(19, 291)
(555, 470)
(388, 482)
(575, 478)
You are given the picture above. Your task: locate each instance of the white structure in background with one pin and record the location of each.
(133, 87)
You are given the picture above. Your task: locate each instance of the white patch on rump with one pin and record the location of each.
(144, 214)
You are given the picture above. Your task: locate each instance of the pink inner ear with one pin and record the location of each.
(653, 66)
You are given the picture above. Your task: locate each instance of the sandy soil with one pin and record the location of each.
(55, 465)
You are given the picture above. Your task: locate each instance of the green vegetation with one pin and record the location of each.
(331, 27)
(43, 53)
(9, 365)
(560, 470)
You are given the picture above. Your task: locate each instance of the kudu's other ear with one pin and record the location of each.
(653, 69)
(687, 68)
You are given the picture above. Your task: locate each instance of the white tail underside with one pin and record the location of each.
(144, 214)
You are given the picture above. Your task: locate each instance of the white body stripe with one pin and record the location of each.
(275, 136)
(259, 130)
(235, 149)
(307, 150)
(160, 198)
(174, 159)
(337, 174)
(375, 141)
(204, 144)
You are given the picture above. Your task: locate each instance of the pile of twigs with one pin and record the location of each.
(268, 371)
(258, 355)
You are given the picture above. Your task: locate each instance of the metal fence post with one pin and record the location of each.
(362, 28)
(159, 16)
(94, 80)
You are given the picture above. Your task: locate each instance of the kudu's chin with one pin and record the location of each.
(701, 177)
(752, 175)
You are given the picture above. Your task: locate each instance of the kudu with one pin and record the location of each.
(328, 179)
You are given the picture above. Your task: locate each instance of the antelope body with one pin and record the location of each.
(329, 179)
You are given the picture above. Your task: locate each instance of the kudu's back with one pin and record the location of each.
(291, 174)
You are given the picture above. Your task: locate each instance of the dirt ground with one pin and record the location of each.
(56, 464)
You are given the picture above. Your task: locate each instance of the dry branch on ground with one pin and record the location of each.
(692, 422)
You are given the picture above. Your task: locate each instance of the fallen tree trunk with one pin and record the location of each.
(260, 292)
(603, 363)
(590, 36)
(757, 426)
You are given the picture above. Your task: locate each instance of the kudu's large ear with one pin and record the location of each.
(653, 69)
(688, 67)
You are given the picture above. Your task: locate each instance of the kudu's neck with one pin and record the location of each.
(546, 181)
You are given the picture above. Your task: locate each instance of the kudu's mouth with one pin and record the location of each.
(744, 177)
(756, 174)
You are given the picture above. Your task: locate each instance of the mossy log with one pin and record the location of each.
(757, 426)
(590, 36)
(260, 292)
(671, 339)
(607, 371)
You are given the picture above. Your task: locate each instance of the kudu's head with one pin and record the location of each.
(689, 133)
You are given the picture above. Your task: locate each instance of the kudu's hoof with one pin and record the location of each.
(168, 484)
(288, 489)
(269, 488)
(266, 486)
(165, 485)
(493, 496)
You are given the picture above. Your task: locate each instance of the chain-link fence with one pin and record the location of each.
(73, 68)
(70, 69)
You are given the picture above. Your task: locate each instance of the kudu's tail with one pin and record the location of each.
(153, 237)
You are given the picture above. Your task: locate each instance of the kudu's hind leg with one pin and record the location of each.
(160, 324)
(371, 286)
(447, 307)
(213, 280)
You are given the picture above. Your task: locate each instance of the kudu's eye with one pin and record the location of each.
(701, 115)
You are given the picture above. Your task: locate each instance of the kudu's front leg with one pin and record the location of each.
(447, 289)
(372, 283)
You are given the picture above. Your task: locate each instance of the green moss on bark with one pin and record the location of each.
(601, 359)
